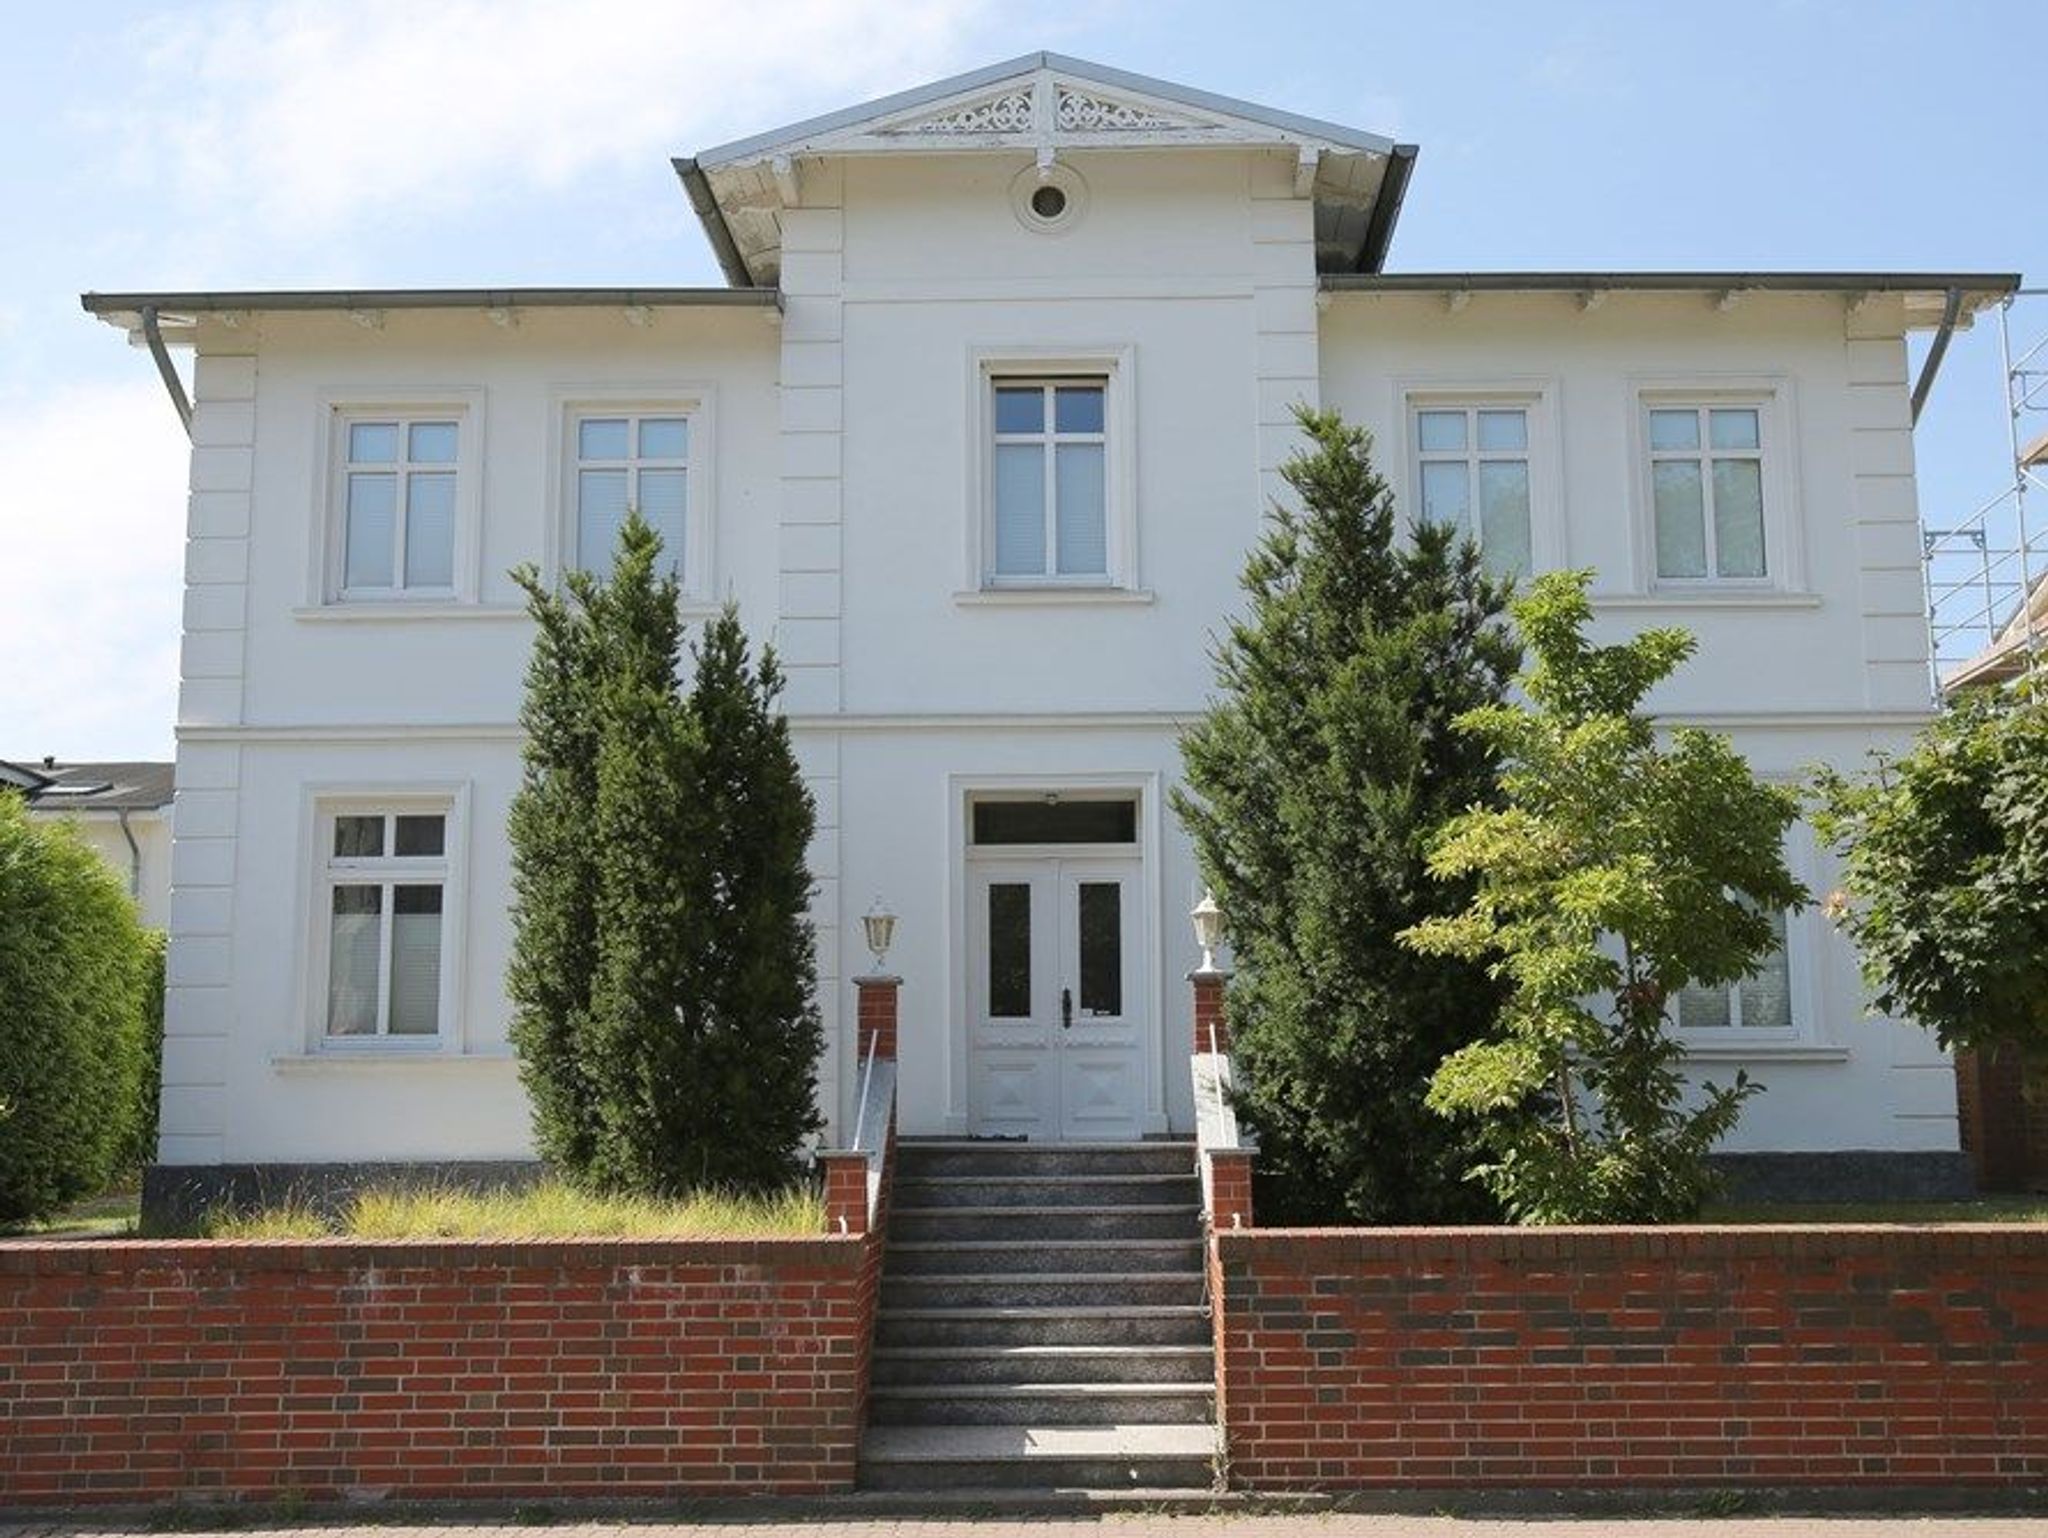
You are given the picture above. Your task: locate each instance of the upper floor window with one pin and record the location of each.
(398, 499)
(637, 460)
(398, 505)
(1472, 472)
(1049, 503)
(384, 886)
(1707, 491)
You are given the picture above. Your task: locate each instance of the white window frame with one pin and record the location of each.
(695, 403)
(1535, 396)
(1771, 397)
(1114, 367)
(1804, 937)
(327, 583)
(324, 872)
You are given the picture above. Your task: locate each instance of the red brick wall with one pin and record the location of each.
(1633, 1357)
(134, 1371)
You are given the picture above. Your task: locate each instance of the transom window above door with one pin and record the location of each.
(1054, 820)
(1049, 499)
(1472, 472)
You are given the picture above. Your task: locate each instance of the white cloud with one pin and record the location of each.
(92, 523)
(302, 118)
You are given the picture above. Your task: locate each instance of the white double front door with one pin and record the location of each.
(1058, 1016)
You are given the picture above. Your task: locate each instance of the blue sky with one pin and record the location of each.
(270, 144)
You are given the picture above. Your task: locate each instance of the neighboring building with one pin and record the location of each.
(122, 809)
(979, 434)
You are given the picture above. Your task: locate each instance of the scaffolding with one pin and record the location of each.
(1987, 600)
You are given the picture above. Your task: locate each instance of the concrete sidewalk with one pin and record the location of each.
(1122, 1524)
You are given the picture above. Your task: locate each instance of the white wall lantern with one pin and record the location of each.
(1208, 921)
(880, 926)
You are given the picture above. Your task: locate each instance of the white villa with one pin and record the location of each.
(978, 434)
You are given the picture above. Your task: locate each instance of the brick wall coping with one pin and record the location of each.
(71, 1257)
(1314, 1247)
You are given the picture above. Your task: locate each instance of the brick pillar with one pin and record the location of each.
(1992, 1106)
(846, 1192)
(1230, 1188)
(877, 1015)
(1212, 1029)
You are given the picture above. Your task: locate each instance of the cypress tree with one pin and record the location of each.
(1313, 785)
(750, 962)
(554, 871)
(664, 966)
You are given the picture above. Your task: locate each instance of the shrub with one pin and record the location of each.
(1617, 872)
(1313, 787)
(74, 968)
(149, 1084)
(1945, 850)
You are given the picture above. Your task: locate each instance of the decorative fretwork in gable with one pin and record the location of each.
(1009, 113)
(1082, 112)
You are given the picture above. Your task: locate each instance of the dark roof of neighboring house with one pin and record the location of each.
(103, 787)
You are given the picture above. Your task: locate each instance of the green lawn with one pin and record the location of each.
(116, 1215)
(1981, 1209)
(551, 1210)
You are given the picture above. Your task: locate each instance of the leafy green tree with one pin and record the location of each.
(664, 970)
(74, 976)
(1312, 787)
(1617, 872)
(1945, 852)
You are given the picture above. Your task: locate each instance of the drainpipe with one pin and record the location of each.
(1950, 309)
(154, 336)
(134, 854)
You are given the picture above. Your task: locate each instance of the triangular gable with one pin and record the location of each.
(1042, 100)
(1044, 104)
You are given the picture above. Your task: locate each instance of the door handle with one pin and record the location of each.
(1066, 1009)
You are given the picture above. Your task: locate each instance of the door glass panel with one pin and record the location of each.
(1102, 948)
(1055, 822)
(1009, 950)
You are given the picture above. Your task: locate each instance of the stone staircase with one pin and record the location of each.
(1042, 1321)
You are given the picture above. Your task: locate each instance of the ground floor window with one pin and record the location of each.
(383, 891)
(1760, 1002)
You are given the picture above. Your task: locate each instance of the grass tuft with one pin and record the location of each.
(553, 1209)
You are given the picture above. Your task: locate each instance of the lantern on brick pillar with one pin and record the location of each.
(1208, 922)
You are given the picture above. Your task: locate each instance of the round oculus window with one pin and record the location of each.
(1048, 201)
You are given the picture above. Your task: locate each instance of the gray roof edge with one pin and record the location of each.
(1083, 69)
(1565, 282)
(208, 302)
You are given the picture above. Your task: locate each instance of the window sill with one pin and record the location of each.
(1708, 598)
(1762, 1051)
(385, 1057)
(1042, 597)
(396, 610)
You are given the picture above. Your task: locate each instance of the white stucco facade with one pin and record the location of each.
(840, 450)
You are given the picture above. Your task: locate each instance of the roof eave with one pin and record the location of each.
(1989, 287)
(116, 308)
